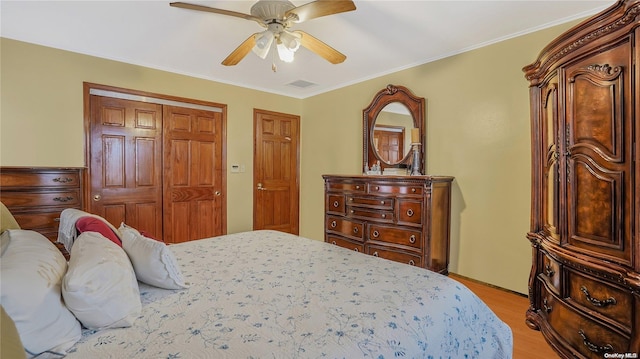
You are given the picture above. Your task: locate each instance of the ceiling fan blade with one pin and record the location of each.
(240, 52)
(185, 5)
(325, 51)
(319, 8)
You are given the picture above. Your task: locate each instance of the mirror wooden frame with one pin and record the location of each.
(415, 105)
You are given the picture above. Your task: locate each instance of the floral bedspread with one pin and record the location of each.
(266, 294)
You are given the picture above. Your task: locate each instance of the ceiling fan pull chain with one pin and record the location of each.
(274, 68)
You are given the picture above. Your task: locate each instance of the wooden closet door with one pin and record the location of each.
(126, 163)
(193, 174)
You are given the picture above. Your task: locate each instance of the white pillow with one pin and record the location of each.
(32, 269)
(152, 260)
(100, 287)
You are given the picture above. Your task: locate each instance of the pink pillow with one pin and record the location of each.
(92, 224)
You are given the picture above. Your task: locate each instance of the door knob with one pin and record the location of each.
(260, 188)
(97, 197)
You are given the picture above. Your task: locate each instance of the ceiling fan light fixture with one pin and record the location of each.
(263, 43)
(290, 40)
(284, 53)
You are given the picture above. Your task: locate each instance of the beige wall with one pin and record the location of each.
(477, 130)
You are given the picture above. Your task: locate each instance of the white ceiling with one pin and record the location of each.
(378, 38)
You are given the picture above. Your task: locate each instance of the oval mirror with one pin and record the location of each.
(393, 120)
(392, 133)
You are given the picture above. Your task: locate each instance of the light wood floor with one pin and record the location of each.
(511, 308)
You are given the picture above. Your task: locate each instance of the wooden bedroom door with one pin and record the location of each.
(126, 163)
(193, 174)
(276, 176)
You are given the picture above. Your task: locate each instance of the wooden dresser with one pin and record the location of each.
(401, 218)
(36, 196)
(584, 286)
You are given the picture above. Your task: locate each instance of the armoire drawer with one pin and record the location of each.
(585, 335)
(347, 227)
(45, 198)
(395, 235)
(345, 243)
(394, 255)
(601, 297)
(550, 272)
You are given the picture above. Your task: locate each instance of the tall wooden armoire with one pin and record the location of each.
(584, 286)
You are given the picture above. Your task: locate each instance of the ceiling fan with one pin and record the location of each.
(277, 16)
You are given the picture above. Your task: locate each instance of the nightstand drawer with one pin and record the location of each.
(371, 214)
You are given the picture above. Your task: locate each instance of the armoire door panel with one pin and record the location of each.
(551, 176)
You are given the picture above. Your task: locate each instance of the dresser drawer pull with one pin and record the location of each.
(597, 302)
(63, 179)
(336, 204)
(377, 188)
(411, 262)
(410, 212)
(547, 308)
(333, 224)
(375, 254)
(56, 219)
(352, 211)
(63, 199)
(376, 234)
(548, 271)
(357, 187)
(412, 239)
(356, 249)
(334, 243)
(413, 190)
(384, 215)
(594, 347)
(382, 202)
(356, 230)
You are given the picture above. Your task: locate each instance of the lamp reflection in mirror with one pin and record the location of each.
(286, 44)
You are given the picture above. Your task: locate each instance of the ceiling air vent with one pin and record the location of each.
(301, 84)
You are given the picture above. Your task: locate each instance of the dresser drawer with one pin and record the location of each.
(394, 255)
(347, 186)
(409, 212)
(43, 179)
(40, 220)
(396, 235)
(370, 214)
(335, 203)
(371, 202)
(345, 243)
(346, 227)
(585, 335)
(395, 189)
(67, 198)
(601, 297)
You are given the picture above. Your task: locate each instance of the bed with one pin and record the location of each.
(267, 294)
